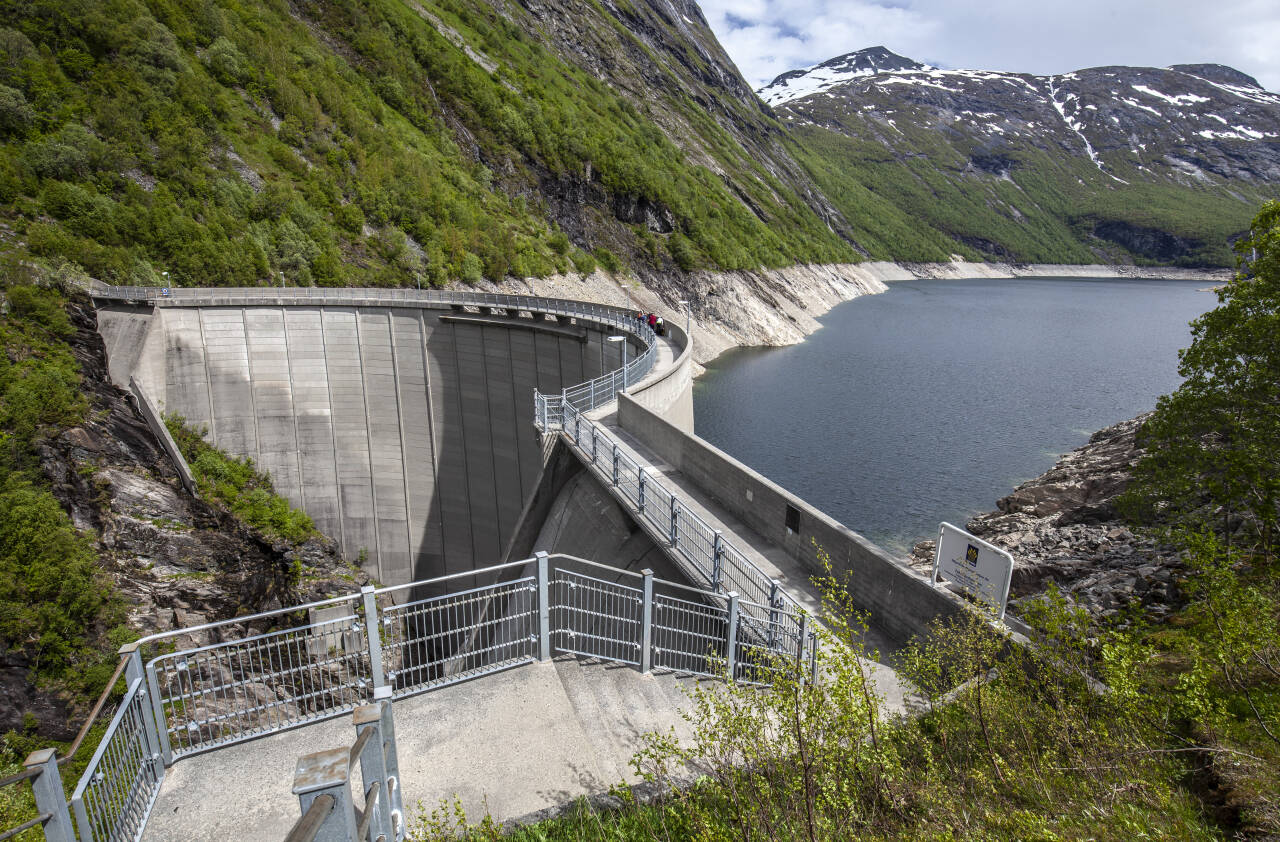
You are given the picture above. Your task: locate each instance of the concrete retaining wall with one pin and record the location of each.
(151, 414)
(901, 602)
(406, 432)
(670, 395)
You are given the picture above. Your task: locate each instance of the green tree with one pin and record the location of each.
(1213, 446)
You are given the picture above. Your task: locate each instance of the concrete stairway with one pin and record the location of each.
(511, 744)
(616, 706)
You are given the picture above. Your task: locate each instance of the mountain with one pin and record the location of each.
(423, 142)
(1109, 163)
(798, 83)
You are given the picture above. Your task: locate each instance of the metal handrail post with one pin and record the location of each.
(593, 442)
(646, 623)
(161, 720)
(774, 589)
(544, 607)
(615, 464)
(803, 637)
(135, 671)
(51, 799)
(717, 562)
(731, 648)
(327, 773)
(373, 634)
(373, 766)
(640, 496)
(391, 759)
(675, 519)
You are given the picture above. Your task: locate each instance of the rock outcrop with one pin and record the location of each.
(1062, 527)
(174, 560)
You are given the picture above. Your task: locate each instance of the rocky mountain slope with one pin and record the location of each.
(383, 142)
(1109, 163)
(407, 142)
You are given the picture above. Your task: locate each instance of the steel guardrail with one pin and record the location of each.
(275, 670)
(708, 556)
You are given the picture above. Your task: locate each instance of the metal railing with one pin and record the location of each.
(268, 672)
(114, 796)
(704, 554)
(41, 768)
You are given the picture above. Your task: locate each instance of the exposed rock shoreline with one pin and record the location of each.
(775, 307)
(1063, 527)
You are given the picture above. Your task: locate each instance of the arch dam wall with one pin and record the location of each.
(404, 429)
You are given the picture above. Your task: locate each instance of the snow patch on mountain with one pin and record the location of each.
(1179, 99)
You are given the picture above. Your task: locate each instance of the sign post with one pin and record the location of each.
(980, 569)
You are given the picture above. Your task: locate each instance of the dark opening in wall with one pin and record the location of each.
(793, 518)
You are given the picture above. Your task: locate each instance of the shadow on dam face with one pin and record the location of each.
(405, 432)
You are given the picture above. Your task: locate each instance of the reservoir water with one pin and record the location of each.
(931, 401)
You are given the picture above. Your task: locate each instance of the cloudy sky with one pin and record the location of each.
(768, 37)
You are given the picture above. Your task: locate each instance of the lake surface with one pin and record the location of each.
(933, 400)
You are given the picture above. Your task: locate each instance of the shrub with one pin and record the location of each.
(238, 485)
(584, 263)
(607, 259)
(16, 115)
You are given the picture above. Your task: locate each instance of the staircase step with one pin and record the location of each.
(577, 682)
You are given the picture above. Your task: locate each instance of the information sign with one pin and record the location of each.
(980, 569)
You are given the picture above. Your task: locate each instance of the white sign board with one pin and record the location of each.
(976, 567)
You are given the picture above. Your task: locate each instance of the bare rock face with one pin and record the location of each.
(174, 559)
(1062, 527)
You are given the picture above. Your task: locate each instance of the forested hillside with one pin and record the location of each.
(372, 143)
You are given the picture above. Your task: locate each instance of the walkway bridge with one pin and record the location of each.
(435, 433)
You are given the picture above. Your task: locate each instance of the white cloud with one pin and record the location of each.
(768, 37)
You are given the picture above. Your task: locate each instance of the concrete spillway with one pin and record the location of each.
(406, 432)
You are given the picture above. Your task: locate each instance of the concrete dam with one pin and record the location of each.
(405, 432)
(403, 422)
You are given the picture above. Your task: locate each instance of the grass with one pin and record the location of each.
(238, 485)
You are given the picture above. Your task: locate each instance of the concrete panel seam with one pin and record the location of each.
(333, 437)
(208, 382)
(404, 453)
(297, 439)
(373, 485)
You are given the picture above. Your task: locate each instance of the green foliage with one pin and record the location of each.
(607, 259)
(231, 144)
(1213, 446)
(16, 115)
(583, 263)
(52, 598)
(55, 606)
(39, 377)
(238, 485)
